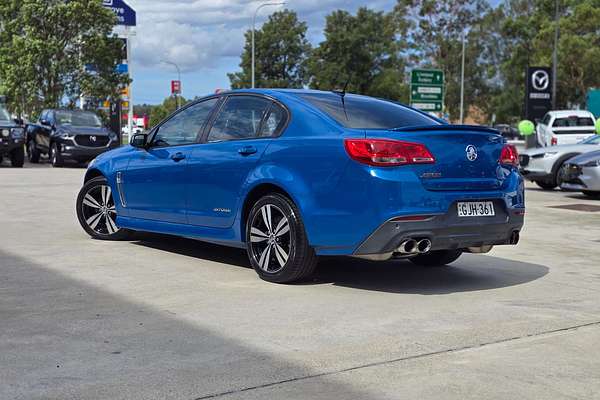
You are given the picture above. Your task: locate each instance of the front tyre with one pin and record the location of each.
(97, 213)
(546, 185)
(276, 241)
(55, 156)
(17, 157)
(436, 258)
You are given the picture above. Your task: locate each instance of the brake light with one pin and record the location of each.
(387, 153)
(554, 141)
(509, 155)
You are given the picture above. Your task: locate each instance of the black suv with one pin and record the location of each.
(68, 135)
(12, 139)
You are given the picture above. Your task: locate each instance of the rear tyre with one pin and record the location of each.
(545, 185)
(55, 156)
(33, 154)
(97, 213)
(276, 241)
(436, 258)
(17, 157)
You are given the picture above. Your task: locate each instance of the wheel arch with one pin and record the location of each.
(561, 161)
(91, 174)
(253, 196)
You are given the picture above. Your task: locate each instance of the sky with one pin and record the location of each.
(205, 38)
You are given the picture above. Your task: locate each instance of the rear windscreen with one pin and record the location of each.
(571, 122)
(361, 112)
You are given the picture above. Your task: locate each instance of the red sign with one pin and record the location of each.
(175, 87)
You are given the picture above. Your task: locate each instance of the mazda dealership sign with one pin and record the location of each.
(538, 97)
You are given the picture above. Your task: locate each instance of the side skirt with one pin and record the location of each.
(220, 236)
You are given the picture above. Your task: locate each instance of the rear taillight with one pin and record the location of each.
(387, 153)
(553, 141)
(509, 155)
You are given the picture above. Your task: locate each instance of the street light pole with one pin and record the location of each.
(178, 78)
(555, 56)
(462, 80)
(254, 28)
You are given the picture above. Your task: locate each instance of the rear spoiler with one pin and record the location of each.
(447, 127)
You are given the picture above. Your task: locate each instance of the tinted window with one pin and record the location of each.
(572, 121)
(76, 118)
(363, 112)
(546, 119)
(239, 118)
(184, 127)
(274, 122)
(4, 116)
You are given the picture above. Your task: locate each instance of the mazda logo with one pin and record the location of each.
(471, 152)
(93, 138)
(540, 80)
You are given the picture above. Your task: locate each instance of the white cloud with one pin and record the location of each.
(198, 34)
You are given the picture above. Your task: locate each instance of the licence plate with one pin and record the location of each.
(475, 209)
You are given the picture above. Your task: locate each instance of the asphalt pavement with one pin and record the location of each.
(170, 318)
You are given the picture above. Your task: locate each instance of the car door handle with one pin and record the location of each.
(247, 150)
(178, 156)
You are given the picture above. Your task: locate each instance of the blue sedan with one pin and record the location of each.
(291, 175)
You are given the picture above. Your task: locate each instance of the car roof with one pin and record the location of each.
(568, 113)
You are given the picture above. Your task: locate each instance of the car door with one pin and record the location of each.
(219, 167)
(155, 181)
(44, 133)
(541, 129)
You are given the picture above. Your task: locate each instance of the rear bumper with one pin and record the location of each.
(446, 231)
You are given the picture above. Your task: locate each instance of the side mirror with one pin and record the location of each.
(45, 122)
(139, 140)
(526, 128)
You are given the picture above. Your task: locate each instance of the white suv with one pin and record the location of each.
(565, 127)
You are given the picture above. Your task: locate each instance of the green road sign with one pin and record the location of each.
(427, 93)
(427, 77)
(427, 89)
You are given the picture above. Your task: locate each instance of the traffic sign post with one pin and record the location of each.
(427, 89)
(175, 87)
(126, 19)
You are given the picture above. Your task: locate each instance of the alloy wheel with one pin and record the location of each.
(270, 238)
(98, 210)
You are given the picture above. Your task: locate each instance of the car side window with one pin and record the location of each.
(239, 118)
(184, 127)
(274, 121)
(546, 119)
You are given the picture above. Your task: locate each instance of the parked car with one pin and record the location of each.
(12, 139)
(543, 165)
(565, 127)
(507, 131)
(294, 174)
(68, 135)
(582, 174)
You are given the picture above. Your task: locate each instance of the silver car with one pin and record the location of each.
(582, 174)
(543, 165)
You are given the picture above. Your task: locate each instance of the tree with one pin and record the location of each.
(162, 111)
(360, 50)
(52, 49)
(434, 39)
(281, 49)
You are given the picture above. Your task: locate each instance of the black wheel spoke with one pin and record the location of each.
(99, 211)
(270, 238)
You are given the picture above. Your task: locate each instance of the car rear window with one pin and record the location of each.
(572, 122)
(362, 112)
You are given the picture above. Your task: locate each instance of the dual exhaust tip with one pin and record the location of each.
(412, 246)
